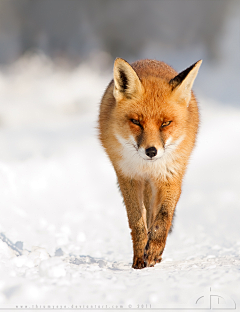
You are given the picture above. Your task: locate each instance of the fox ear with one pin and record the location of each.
(126, 81)
(182, 83)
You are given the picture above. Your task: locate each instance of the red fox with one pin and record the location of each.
(148, 124)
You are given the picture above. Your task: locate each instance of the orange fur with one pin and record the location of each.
(148, 123)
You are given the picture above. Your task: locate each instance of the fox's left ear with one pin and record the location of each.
(182, 83)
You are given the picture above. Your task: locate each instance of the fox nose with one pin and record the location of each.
(151, 151)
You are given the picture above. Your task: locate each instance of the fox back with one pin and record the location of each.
(148, 123)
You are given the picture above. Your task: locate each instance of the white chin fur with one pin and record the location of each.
(135, 162)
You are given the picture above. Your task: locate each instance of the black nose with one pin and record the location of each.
(151, 151)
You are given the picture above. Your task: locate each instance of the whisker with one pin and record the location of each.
(131, 145)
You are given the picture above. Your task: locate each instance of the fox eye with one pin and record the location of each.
(135, 122)
(165, 124)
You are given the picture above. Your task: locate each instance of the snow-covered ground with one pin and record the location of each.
(64, 236)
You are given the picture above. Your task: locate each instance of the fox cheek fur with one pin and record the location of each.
(148, 124)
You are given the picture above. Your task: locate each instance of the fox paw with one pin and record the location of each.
(152, 253)
(138, 263)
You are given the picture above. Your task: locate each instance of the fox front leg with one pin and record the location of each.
(157, 234)
(132, 191)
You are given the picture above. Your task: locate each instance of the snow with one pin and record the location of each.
(64, 236)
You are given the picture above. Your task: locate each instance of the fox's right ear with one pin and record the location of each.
(126, 81)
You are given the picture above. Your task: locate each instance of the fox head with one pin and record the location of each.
(153, 111)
